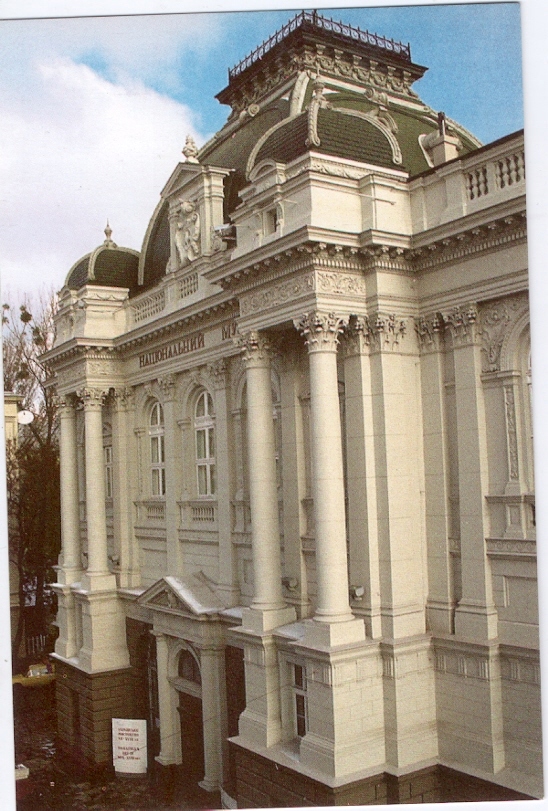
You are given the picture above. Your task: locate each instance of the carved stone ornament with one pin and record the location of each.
(167, 385)
(462, 323)
(318, 102)
(511, 432)
(217, 371)
(187, 231)
(387, 331)
(358, 335)
(190, 150)
(429, 331)
(255, 347)
(496, 319)
(91, 397)
(321, 330)
(124, 397)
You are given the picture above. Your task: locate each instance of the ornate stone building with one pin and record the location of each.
(296, 448)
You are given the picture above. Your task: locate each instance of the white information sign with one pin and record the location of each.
(129, 745)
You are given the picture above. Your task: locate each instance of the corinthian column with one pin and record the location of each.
(71, 563)
(321, 331)
(98, 576)
(268, 608)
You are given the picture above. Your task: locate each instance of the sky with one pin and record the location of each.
(94, 111)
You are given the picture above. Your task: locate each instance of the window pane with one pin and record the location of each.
(200, 405)
(209, 404)
(300, 712)
(202, 480)
(201, 444)
(213, 480)
(162, 482)
(162, 449)
(155, 450)
(211, 449)
(156, 482)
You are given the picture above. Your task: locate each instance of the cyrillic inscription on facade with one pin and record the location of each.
(228, 331)
(182, 347)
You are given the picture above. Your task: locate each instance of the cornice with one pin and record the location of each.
(435, 253)
(153, 330)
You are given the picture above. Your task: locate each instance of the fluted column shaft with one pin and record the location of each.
(321, 335)
(70, 514)
(263, 491)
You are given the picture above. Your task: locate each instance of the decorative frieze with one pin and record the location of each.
(511, 548)
(465, 664)
(277, 295)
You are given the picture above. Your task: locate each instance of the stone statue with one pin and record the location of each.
(187, 233)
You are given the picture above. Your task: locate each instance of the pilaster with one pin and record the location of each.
(363, 531)
(227, 583)
(125, 486)
(214, 715)
(170, 738)
(70, 564)
(168, 388)
(475, 616)
(440, 605)
(397, 438)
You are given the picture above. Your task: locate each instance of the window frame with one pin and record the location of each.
(156, 433)
(204, 446)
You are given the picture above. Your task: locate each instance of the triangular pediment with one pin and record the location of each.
(194, 595)
(181, 175)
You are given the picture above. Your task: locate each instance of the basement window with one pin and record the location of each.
(300, 700)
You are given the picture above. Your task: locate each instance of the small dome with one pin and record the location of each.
(108, 266)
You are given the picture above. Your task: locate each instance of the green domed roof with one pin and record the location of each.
(108, 265)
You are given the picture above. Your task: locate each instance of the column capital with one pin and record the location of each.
(123, 397)
(357, 336)
(167, 385)
(257, 349)
(217, 371)
(430, 332)
(462, 322)
(67, 404)
(321, 330)
(92, 397)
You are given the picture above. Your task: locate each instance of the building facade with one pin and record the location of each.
(296, 449)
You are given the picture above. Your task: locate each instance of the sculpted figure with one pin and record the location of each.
(187, 233)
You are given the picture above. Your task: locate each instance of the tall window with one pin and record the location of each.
(204, 427)
(157, 450)
(107, 450)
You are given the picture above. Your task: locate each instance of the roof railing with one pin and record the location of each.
(366, 37)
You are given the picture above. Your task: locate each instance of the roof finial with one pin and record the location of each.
(108, 233)
(190, 150)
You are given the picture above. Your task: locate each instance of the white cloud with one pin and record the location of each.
(76, 150)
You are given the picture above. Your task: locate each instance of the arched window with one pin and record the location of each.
(204, 429)
(157, 451)
(188, 667)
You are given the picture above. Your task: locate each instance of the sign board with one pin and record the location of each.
(129, 745)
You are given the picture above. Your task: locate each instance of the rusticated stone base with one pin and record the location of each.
(86, 704)
(261, 783)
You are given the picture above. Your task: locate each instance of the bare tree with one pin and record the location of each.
(32, 462)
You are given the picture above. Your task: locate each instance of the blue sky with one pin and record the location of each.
(94, 111)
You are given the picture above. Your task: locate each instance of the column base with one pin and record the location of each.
(262, 621)
(98, 581)
(69, 575)
(331, 634)
(476, 622)
(208, 785)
